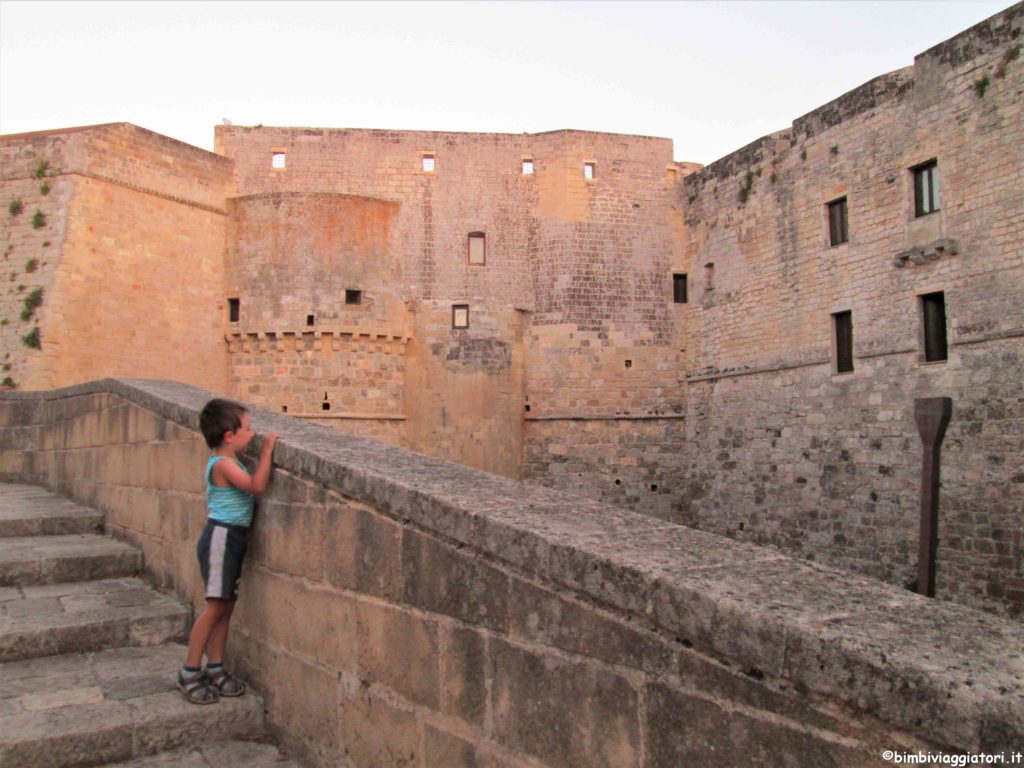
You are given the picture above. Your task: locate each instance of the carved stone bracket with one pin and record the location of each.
(922, 254)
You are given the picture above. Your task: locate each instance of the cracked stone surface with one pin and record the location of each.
(85, 616)
(108, 706)
(29, 511)
(77, 557)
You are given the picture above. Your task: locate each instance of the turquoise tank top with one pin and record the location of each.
(228, 505)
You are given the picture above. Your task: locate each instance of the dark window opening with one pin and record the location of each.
(709, 276)
(234, 307)
(926, 188)
(933, 310)
(838, 229)
(843, 324)
(284, 409)
(679, 289)
(460, 316)
(353, 297)
(325, 406)
(310, 320)
(629, 363)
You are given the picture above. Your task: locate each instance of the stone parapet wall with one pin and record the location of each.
(397, 609)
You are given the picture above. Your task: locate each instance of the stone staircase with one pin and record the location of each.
(89, 654)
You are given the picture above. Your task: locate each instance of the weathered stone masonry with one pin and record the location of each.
(401, 610)
(343, 253)
(784, 450)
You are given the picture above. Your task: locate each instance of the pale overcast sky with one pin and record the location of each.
(712, 76)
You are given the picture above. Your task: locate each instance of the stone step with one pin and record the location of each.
(93, 709)
(86, 616)
(52, 559)
(29, 511)
(223, 754)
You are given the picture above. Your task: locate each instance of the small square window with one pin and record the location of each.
(234, 307)
(842, 323)
(477, 248)
(310, 320)
(460, 316)
(588, 170)
(353, 296)
(277, 161)
(933, 318)
(527, 166)
(428, 163)
(679, 289)
(926, 188)
(838, 228)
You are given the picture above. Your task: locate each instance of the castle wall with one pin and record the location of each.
(587, 259)
(146, 209)
(784, 450)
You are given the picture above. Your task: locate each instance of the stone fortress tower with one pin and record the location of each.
(736, 347)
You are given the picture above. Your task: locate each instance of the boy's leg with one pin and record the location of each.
(218, 641)
(203, 629)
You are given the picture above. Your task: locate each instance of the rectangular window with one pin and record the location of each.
(527, 166)
(926, 188)
(837, 222)
(933, 315)
(842, 323)
(460, 316)
(234, 306)
(477, 248)
(353, 297)
(310, 320)
(428, 163)
(679, 289)
(709, 276)
(277, 161)
(588, 170)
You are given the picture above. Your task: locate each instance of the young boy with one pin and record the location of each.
(230, 493)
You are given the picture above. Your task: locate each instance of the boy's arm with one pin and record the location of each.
(256, 483)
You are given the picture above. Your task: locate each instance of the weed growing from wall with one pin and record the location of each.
(41, 169)
(31, 265)
(32, 303)
(1012, 54)
(38, 220)
(44, 188)
(32, 340)
(981, 85)
(15, 207)
(8, 382)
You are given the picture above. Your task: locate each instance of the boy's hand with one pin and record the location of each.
(268, 441)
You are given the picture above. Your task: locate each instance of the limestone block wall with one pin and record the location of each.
(129, 203)
(399, 610)
(34, 216)
(589, 258)
(785, 450)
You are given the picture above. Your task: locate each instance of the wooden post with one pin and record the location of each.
(932, 415)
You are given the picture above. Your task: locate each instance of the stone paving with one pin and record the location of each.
(90, 662)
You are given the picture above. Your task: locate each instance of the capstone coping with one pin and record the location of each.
(950, 673)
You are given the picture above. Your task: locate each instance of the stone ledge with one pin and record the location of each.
(946, 672)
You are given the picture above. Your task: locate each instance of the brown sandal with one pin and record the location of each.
(225, 683)
(198, 689)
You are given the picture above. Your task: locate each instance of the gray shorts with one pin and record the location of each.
(221, 551)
